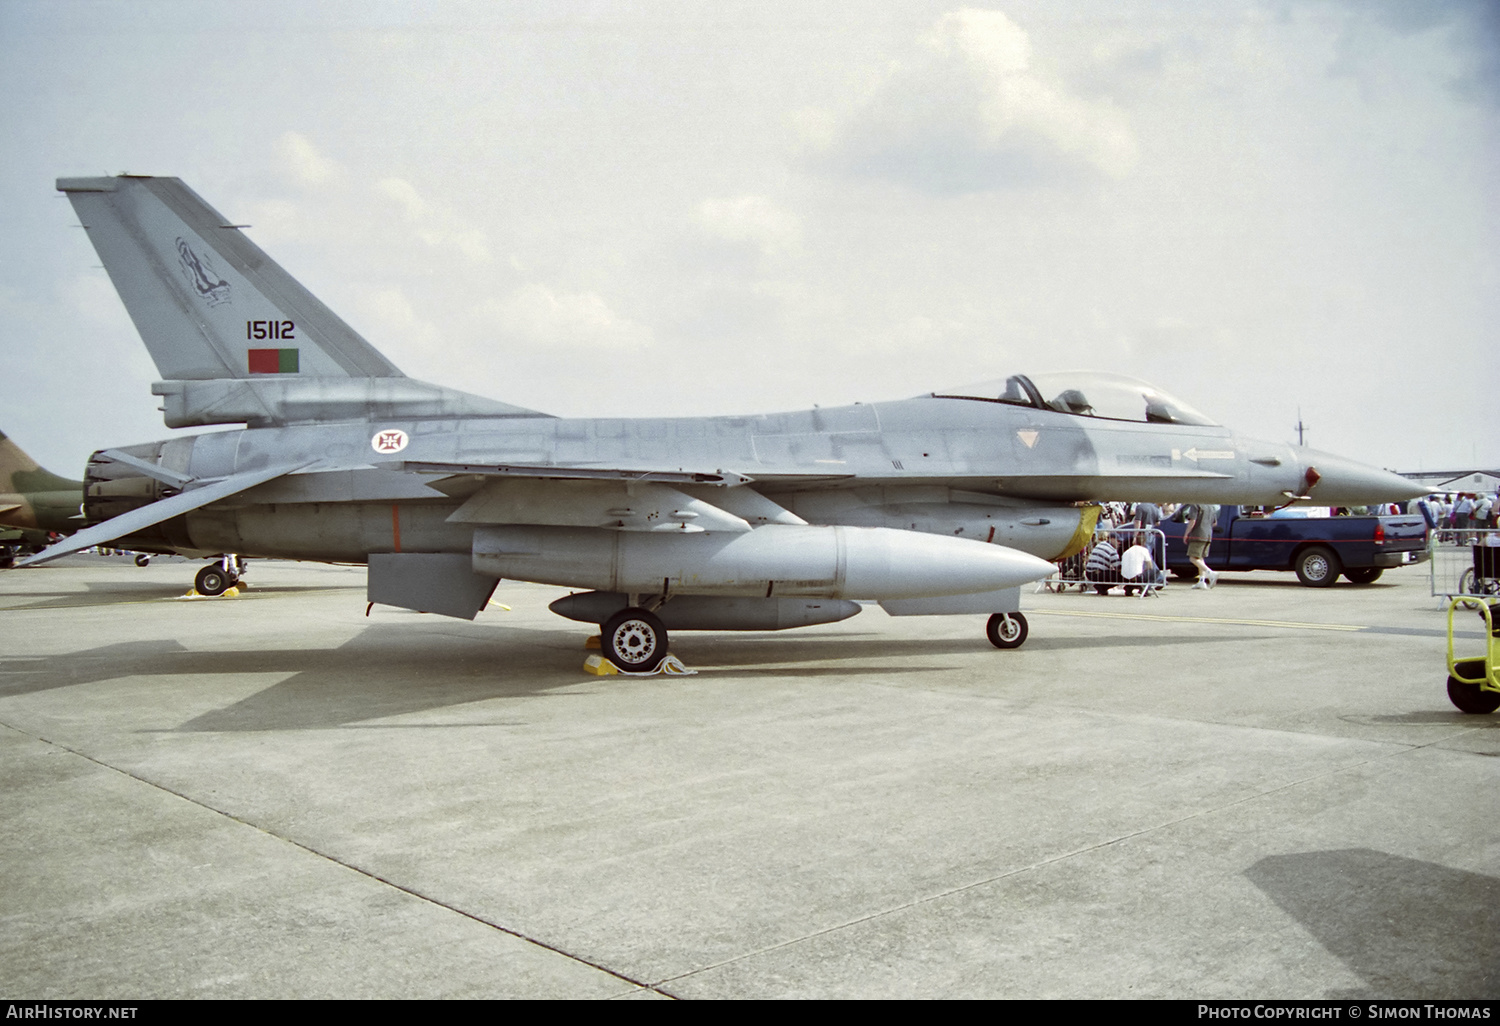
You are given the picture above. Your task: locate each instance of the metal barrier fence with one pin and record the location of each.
(1464, 562)
(1117, 557)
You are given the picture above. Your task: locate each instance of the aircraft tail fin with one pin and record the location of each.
(208, 302)
(19, 473)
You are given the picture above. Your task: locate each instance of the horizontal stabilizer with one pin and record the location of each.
(152, 470)
(165, 509)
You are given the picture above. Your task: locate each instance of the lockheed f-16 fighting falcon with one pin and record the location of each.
(943, 503)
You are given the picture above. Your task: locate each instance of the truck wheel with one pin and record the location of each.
(1364, 575)
(634, 640)
(1006, 630)
(1317, 567)
(1470, 698)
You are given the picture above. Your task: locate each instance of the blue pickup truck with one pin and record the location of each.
(1317, 548)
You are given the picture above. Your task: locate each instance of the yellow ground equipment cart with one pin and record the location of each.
(1474, 682)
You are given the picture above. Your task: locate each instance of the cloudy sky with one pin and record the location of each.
(688, 208)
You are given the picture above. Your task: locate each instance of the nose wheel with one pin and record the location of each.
(1006, 630)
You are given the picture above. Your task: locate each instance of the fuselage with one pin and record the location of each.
(968, 467)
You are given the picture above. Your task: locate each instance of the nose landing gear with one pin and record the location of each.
(1006, 630)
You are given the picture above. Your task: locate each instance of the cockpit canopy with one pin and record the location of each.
(1084, 394)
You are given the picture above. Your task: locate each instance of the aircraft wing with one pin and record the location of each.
(623, 499)
(165, 509)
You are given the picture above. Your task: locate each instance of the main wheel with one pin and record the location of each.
(1470, 698)
(212, 580)
(634, 640)
(1317, 567)
(1364, 575)
(1006, 630)
(142, 559)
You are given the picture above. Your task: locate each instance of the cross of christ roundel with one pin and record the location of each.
(389, 441)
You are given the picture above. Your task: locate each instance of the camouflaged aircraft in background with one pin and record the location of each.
(944, 503)
(36, 506)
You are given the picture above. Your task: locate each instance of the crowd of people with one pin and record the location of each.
(1460, 511)
(1129, 552)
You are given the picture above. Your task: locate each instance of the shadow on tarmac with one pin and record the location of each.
(1412, 929)
(113, 592)
(399, 669)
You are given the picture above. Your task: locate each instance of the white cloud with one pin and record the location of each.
(753, 221)
(968, 112)
(305, 163)
(539, 316)
(435, 226)
(390, 314)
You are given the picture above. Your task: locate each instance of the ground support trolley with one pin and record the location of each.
(1474, 681)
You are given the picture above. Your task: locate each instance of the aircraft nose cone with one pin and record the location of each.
(1345, 482)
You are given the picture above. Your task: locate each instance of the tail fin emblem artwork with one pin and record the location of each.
(389, 441)
(201, 275)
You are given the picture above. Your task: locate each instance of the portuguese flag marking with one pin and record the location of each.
(273, 361)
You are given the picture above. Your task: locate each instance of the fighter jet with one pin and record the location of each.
(36, 506)
(944, 503)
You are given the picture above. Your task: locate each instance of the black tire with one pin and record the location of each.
(1364, 575)
(1470, 698)
(142, 559)
(1006, 630)
(212, 580)
(1317, 566)
(634, 640)
(1468, 584)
